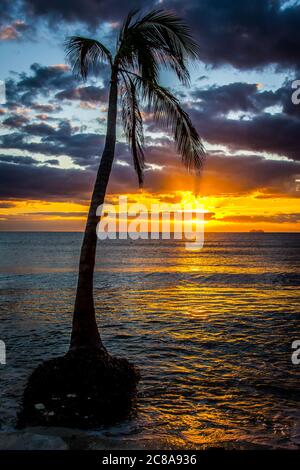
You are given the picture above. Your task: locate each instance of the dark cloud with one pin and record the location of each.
(24, 160)
(45, 78)
(18, 160)
(6, 205)
(234, 97)
(222, 174)
(249, 173)
(41, 129)
(46, 107)
(57, 214)
(15, 121)
(13, 31)
(245, 34)
(263, 132)
(90, 11)
(260, 129)
(91, 94)
(43, 182)
(83, 148)
(272, 219)
(41, 81)
(7, 11)
(271, 133)
(52, 161)
(254, 125)
(247, 97)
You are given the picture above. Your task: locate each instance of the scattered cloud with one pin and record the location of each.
(13, 31)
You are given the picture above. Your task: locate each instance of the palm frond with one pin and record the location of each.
(169, 28)
(132, 13)
(146, 43)
(168, 112)
(138, 55)
(133, 126)
(159, 38)
(85, 54)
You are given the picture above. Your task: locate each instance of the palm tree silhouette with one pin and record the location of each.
(145, 44)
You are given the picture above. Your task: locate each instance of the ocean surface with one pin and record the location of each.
(211, 332)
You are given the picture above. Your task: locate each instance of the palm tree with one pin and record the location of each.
(145, 44)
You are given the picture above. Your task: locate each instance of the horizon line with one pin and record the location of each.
(255, 231)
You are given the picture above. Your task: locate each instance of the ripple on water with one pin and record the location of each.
(210, 331)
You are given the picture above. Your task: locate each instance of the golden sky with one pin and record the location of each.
(227, 213)
(52, 127)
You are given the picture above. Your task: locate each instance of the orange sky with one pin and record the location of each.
(224, 213)
(53, 125)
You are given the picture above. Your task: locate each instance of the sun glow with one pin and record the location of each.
(227, 213)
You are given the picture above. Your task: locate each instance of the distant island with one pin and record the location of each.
(256, 231)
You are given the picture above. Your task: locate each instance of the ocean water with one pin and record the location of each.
(211, 332)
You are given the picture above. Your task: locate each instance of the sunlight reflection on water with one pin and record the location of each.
(211, 331)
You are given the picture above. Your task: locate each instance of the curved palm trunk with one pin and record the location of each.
(85, 333)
